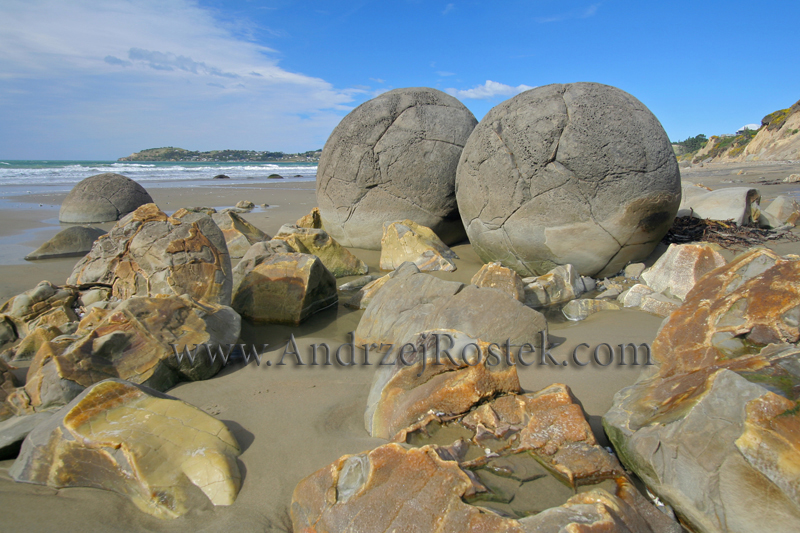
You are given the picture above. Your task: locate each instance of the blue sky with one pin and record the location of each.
(99, 79)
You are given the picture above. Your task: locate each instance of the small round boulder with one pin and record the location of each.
(394, 158)
(102, 198)
(579, 174)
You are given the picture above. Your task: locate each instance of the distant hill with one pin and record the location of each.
(171, 153)
(777, 139)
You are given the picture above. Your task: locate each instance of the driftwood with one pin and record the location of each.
(725, 233)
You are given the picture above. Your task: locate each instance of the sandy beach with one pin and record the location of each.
(293, 420)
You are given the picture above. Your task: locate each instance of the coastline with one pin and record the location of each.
(291, 420)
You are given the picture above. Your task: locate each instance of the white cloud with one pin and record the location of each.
(490, 89)
(448, 8)
(584, 13)
(151, 61)
(445, 74)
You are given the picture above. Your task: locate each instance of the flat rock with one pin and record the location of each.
(496, 276)
(239, 234)
(365, 294)
(394, 158)
(408, 241)
(579, 174)
(680, 267)
(658, 304)
(336, 258)
(167, 456)
(148, 253)
(285, 289)
(102, 198)
(70, 242)
(411, 302)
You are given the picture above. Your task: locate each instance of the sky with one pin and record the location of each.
(101, 79)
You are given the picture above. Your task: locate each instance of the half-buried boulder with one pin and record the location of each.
(74, 241)
(102, 198)
(578, 174)
(149, 253)
(394, 158)
(167, 456)
(285, 289)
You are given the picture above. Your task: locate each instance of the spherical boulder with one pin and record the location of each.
(579, 174)
(394, 158)
(102, 198)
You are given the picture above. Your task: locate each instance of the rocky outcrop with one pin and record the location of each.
(394, 158)
(425, 380)
(704, 428)
(239, 234)
(102, 198)
(336, 258)
(579, 174)
(148, 253)
(409, 241)
(74, 241)
(154, 449)
(411, 302)
(778, 138)
(285, 289)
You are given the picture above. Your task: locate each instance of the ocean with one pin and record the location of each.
(26, 177)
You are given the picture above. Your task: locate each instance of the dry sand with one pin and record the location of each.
(292, 420)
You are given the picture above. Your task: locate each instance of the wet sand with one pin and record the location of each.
(292, 420)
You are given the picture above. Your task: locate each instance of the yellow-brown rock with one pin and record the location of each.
(391, 489)
(402, 394)
(677, 271)
(27, 348)
(27, 310)
(239, 234)
(336, 258)
(497, 276)
(156, 450)
(311, 220)
(365, 294)
(408, 241)
(285, 289)
(148, 253)
(132, 342)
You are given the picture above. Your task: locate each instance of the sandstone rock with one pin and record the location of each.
(148, 253)
(8, 333)
(681, 266)
(403, 393)
(394, 158)
(496, 276)
(200, 209)
(357, 283)
(7, 382)
(74, 241)
(634, 270)
(285, 289)
(703, 428)
(793, 178)
(581, 308)
(257, 254)
(411, 302)
(739, 204)
(247, 205)
(311, 220)
(27, 348)
(409, 241)
(133, 342)
(658, 304)
(783, 210)
(45, 304)
(633, 296)
(560, 285)
(102, 198)
(239, 234)
(365, 294)
(152, 448)
(336, 258)
(579, 174)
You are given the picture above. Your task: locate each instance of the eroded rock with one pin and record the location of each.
(239, 234)
(677, 271)
(336, 258)
(167, 456)
(496, 276)
(560, 285)
(70, 242)
(311, 220)
(408, 241)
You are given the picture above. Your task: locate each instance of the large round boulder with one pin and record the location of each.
(102, 198)
(394, 158)
(579, 174)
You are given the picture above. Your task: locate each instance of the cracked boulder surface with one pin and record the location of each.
(712, 428)
(411, 302)
(578, 174)
(132, 342)
(102, 198)
(149, 253)
(167, 456)
(394, 158)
